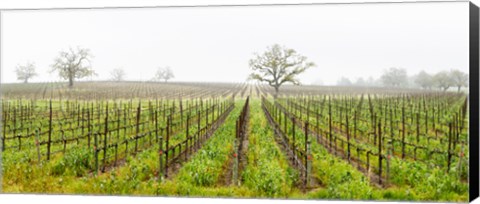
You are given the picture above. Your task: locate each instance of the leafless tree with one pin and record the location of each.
(442, 80)
(278, 65)
(26, 71)
(424, 80)
(394, 77)
(73, 64)
(360, 82)
(164, 74)
(117, 74)
(459, 79)
(344, 81)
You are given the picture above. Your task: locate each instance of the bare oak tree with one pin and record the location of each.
(360, 82)
(394, 77)
(164, 74)
(424, 80)
(26, 71)
(344, 81)
(442, 80)
(117, 74)
(278, 65)
(73, 64)
(459, 79)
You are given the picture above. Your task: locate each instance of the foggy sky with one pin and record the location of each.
(215, 43)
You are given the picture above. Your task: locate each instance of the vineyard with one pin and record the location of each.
(234, 140)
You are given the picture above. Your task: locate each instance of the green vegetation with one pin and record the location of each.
(268, 171)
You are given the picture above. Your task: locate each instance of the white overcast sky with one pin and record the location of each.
(215, 43)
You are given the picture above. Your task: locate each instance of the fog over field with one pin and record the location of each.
(215, 43)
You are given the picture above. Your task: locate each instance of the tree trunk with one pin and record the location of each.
(459, 87)
(166, 80)
(276, 91)
(70, 82)
(25, 80)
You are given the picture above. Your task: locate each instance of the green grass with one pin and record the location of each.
(268, 171)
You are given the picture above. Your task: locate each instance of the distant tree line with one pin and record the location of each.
(75, 64)
(276, 66)
(398, 78)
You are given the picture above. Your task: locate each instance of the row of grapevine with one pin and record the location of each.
(403, 131)
(114, 90)
(301, 157)
(112, 130)
(241, 134)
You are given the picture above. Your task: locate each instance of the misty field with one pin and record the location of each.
(234, 140)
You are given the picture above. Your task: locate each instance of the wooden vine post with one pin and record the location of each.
(285, 120)
(4, 130)
(235, 159)
(197, 141)
(293, 139)
(392, 140)
(389, 157)
(105, 138)
(137, 127)
(95, 151)
(161, 171)
(348, 138)
(181, 111)
(330, 122)
(449, 153)
(403, 132)
(187, 136)
(308, 158)
(317, 125)
(169, 121)
(206, 116)
(380, 152)
(37, 144)
(355, 124)
(49, 132)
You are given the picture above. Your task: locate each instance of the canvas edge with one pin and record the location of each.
(473, 95)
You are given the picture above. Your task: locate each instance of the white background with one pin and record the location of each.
(215, 43)
(8, 4)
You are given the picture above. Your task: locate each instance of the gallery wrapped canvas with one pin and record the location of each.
(306, 101)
